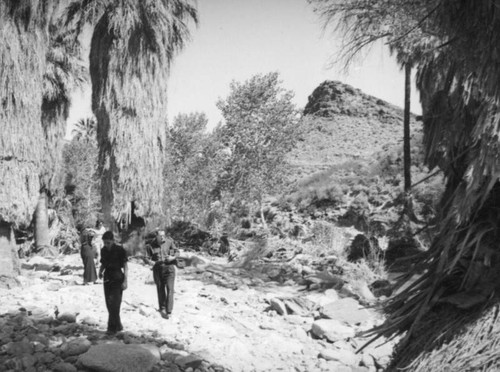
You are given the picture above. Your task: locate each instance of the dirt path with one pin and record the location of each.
(221, 313)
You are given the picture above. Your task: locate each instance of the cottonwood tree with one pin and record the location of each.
(80, 170)
(193, 165)
(261, 126)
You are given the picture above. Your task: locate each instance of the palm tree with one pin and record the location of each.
(23, 42)
(85, 130)
(64, 72)
(132, 47)
(449, 315)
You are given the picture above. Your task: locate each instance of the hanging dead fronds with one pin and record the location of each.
(461, 123)
(23, 40)
(132, 47)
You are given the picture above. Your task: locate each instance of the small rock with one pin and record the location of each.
(300, 334)
(67, 317)
(332, 330)
(19, 348)
(191, 360)
(28, 361)
(169, 354)
(278, 306)
(340, 355)
(64, 367)
(147, 311)
(14, 364)
(88, 320)
(45, 357)
(299, 306)
(75, 347)
(54, 286)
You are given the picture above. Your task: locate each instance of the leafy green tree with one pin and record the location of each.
(133, 44)
(261, 128)
(80, 169)
(194, 162)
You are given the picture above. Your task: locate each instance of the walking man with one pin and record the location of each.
(115, 270)
(163, 253)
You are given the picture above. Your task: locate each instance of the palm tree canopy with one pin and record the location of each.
(404, 25)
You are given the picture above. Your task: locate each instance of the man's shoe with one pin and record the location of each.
(163, 314)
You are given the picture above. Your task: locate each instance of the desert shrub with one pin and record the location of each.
(360, 203)
(362, 271)
(327, 239)
(366, 193)
(428, 194)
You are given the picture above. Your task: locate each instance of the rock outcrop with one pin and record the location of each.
(342, 123)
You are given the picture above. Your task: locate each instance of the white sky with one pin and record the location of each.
(237, 39)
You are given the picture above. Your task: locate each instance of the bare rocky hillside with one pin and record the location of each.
(342, 123)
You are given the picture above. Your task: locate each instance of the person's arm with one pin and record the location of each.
(125, 272)
(101, 266)
(149, 255)
(101, 269)
(172, 252)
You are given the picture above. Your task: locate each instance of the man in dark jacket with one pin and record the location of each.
(163, 254)
(115, 269)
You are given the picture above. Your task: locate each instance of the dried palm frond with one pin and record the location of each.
(461, 124)
(453, 340)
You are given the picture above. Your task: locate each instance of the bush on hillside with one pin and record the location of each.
(367, 193)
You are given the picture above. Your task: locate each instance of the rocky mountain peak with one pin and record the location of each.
(342, 123)
(332, 98)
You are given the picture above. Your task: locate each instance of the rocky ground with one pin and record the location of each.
(225, 319)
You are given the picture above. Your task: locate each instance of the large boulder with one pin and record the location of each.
(347, 311)
(117, 357)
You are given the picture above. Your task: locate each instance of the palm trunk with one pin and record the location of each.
(408, 210)
(406, 126)
(107, 200)
(9, 261)
(42, 238)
